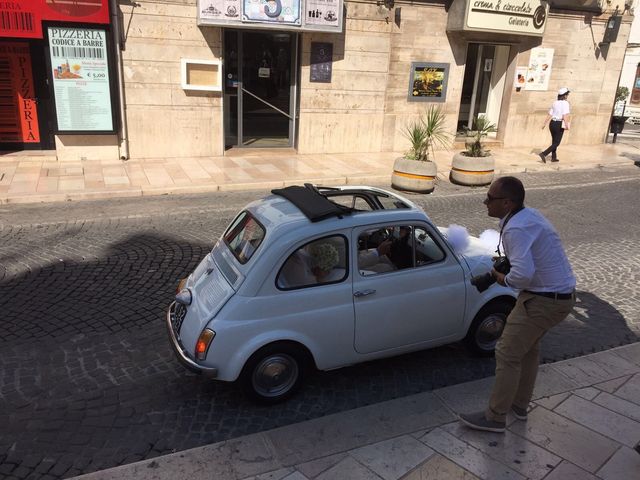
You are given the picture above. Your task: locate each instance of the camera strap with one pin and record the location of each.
(512, 214)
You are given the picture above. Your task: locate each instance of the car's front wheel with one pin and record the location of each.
(274, 373)
(487, 326)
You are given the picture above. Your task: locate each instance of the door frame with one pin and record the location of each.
(293, 90)
(503, 63)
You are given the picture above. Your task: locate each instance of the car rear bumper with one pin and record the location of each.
(181, 353)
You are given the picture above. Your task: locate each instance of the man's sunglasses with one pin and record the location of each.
(491, 198)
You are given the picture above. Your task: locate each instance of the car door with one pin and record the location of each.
(399, 304)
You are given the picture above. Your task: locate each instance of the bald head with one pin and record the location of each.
(512, 189)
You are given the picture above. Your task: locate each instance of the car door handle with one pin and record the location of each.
(364, 293)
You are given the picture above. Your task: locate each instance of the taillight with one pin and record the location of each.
(181, 283)
(202, 345)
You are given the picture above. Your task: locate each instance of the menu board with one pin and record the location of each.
(539, 69)
(81, 79)
(321, 66)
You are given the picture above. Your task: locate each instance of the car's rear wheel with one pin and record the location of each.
(274, 373)
(487, 326)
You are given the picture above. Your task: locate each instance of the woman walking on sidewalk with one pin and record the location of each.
(559, 120)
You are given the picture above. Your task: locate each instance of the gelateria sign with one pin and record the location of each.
(519, 17)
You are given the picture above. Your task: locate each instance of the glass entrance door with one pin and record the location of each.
(259, 94)
(483, 84)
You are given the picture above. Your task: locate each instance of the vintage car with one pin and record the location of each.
(321, 278)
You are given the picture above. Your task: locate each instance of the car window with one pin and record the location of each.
(391, 203)
(351, 201)
(396, 247)
(319, 262)
(385, 249)
(244, 236)
(427, 249)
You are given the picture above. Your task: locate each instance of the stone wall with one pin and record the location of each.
(347, 114)
(163, 119)
(589, 71)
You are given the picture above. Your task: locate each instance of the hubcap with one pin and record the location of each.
(490, 330)
(275, 375)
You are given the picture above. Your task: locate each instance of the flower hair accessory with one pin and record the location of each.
(323, 256)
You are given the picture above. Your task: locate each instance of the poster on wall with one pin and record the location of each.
(321, 62)
(23, 18)
(539, 69)
(19, 119)
(428, 82)
(286, 12)
(322, 12)
(521, 78)
(81, 79)
(220, 11)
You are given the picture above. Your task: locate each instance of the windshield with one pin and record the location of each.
(244, 236)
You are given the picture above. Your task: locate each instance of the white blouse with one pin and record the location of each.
(559, 109)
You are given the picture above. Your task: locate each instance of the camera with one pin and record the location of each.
(484, 281)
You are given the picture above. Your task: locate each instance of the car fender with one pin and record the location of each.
(477, 302)
(235, 364)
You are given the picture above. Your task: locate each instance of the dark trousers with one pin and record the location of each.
(555, 127)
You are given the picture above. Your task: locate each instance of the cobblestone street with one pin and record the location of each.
(88, 380)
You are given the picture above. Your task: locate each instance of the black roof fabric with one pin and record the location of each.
(311, 202)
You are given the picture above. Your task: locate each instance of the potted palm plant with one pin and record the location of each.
(416, 171)
(475, 165)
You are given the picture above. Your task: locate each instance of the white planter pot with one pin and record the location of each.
(472, 170)
(414, 176)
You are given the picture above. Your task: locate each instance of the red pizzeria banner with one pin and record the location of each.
(23, 18)
(18, 112)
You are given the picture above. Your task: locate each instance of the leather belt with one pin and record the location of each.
(555, 296)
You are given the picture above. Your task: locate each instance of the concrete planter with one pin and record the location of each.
(414, 176)
(472, 170)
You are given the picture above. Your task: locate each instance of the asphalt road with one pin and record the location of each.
(88, 381)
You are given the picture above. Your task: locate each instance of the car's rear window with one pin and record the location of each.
(244, 236)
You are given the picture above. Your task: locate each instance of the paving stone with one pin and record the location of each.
(616, 404)
(553, 401)
(612, 385)
(630, 390)
(393, 458)
(439, 468)
(516, 452)
(621, 466)
(588, 393)
(315, 467)
(348, 468)
(565, 438)
(600, 419)
(468, 457)
(283, 473)
(568, 471)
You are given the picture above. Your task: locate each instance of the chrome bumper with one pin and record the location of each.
(181, 353)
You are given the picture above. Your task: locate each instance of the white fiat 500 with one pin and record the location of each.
(321, 278)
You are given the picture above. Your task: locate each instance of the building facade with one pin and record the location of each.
(190, 78)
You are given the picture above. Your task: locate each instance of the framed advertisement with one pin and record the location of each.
(428, 82)
(79, 64)
(23, 18)
(321, 64)
(284, 12)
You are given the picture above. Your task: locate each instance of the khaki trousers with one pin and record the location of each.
(517, 351)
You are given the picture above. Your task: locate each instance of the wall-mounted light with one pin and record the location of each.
(612, 28)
